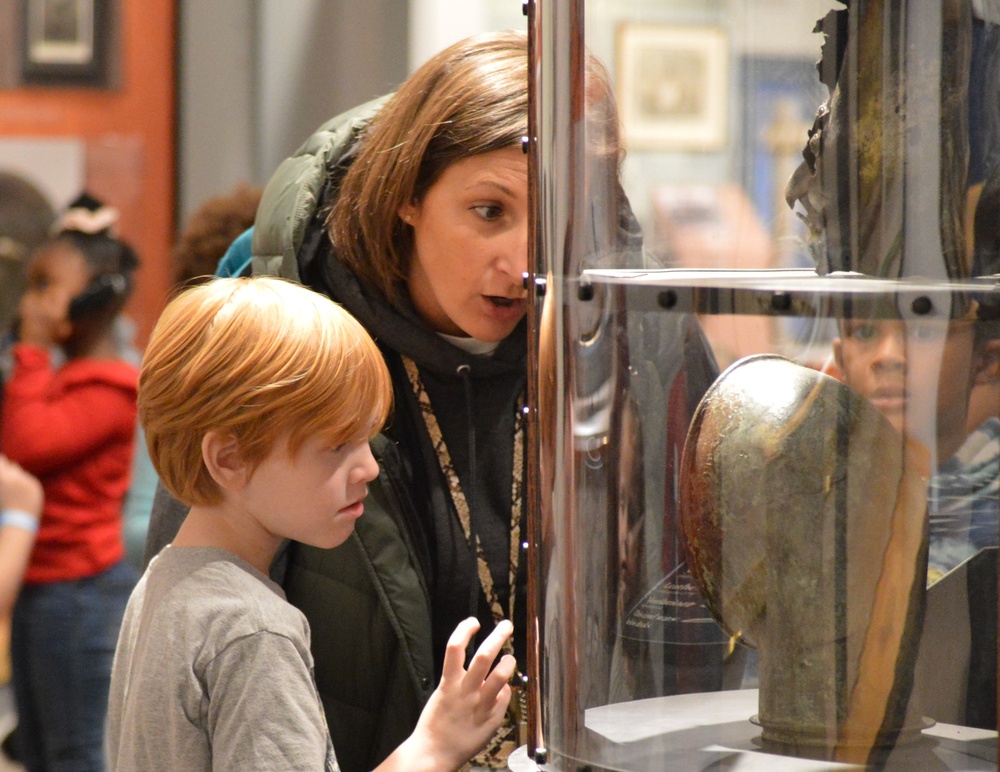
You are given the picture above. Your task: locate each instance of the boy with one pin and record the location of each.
(920, 376)
(258, 398)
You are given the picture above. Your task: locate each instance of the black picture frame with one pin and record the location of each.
(64, 43)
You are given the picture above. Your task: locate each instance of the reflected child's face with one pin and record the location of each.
(918, 374)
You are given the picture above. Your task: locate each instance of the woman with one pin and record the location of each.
(412, 212)
(427, 247)
(424, 198)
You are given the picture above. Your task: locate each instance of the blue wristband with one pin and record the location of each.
(19, 519)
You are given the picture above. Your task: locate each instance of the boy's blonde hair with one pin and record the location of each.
(255, 358)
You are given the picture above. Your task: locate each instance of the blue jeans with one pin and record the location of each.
(63, 638)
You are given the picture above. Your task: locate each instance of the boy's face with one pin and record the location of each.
(918, 374)
(313, 497)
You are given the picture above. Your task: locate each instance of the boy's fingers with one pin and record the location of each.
(454, 653)
(500, 675)
(501, 701)
(488, 651)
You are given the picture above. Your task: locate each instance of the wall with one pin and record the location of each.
(257, 77)
(216, 80)
(127, 140)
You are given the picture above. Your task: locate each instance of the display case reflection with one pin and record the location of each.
(818, 509)
(796, 556)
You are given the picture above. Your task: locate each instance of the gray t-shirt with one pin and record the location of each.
(213, 671)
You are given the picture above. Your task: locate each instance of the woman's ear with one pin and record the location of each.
(221, 453)
(409, 212)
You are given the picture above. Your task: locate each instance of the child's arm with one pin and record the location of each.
(46, 428)
(20, 508)
(465, 710)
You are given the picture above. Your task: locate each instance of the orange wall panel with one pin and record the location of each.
(130, 138)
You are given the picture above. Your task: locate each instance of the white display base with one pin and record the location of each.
(712, 731)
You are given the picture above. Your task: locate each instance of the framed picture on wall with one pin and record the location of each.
(64, 42)
(673, 86)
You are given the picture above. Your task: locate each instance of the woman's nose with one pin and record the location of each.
(513, 258)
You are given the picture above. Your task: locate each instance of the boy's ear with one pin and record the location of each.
(988, 363)
(221, 453)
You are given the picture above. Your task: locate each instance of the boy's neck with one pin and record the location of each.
(215, 526)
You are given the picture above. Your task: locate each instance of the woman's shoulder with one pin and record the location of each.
(117, 373)
(292, 194)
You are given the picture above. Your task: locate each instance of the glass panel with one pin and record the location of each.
(767, 386)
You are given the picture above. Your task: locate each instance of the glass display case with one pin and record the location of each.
(764, 454)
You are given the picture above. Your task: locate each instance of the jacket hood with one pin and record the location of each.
(290, 240)
(401, 330)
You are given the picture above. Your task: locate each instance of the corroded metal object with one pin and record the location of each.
(883, 183)
(806, 532)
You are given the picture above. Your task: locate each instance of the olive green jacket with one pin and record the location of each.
(368, 608)
(366, 601)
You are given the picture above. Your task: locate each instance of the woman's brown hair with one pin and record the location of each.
(470, 99)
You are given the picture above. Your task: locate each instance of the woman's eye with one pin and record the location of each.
(488, 211)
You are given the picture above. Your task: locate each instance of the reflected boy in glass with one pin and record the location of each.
(920, 375)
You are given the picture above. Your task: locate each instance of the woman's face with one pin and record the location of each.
(470, 246)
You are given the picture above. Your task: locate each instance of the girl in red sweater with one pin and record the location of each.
(68, 417)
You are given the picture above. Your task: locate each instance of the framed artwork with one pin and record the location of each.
(64, 42)
(673, 84)
(781, 97)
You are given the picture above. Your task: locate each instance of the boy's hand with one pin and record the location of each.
(18, 489)
(467, 707)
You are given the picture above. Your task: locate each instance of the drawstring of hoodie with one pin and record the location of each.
(458, 497)
(465, 373)
(509, 735)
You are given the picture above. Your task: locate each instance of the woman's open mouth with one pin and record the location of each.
(504, 309)
(502, 302)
